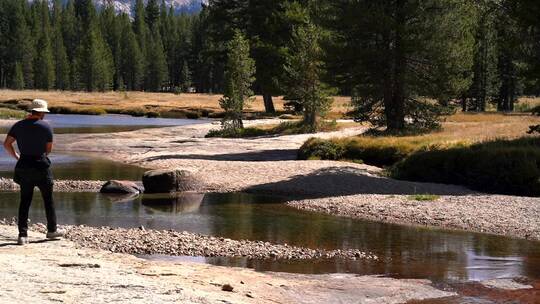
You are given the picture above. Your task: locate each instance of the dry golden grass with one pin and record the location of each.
(142, 100)
(458, 129)
(485, 126)
(527, 103)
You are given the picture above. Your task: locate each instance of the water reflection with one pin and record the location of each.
(78, 167)
(409, 252)
(174, 202)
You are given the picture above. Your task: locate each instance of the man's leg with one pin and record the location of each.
(27, 192)
(46, 190)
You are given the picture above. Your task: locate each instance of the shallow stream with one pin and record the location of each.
(405, 252)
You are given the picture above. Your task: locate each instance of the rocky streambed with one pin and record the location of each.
(167, 242)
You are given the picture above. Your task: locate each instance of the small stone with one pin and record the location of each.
(227, 287)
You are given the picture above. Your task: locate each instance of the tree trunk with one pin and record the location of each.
(395, 107)
(268, 103)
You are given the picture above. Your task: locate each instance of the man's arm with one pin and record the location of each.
(49, 148)
(8, 145)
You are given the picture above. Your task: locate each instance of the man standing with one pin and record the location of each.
(34, 138)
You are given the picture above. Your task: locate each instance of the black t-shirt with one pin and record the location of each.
(32, 136)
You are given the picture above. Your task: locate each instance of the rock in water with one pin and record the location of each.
(168, 181)
(121, 187)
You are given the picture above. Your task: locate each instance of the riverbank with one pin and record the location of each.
(268, 165)
(63, 271)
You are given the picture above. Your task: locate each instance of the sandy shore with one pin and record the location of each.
(62, 271)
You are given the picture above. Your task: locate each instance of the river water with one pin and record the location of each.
(404, 251)
(107, 123)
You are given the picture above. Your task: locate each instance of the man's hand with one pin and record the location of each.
(48, 149)
(8, 145)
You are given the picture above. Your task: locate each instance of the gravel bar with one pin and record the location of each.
(7, 184)
(495, 214)
(167, 242)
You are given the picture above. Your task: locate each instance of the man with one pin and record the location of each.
(34, 138)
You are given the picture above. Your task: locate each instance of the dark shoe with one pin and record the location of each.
(22, 240)
(55, 235)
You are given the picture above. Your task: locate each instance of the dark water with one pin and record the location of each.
(78, 167)
(107, 123)
(406, 252)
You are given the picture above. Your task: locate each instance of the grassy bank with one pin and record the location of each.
(467, 151)
(284, 128)
(7, 113)
(500, 166)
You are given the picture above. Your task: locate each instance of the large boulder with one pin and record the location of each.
(168, 181)
(121, 187)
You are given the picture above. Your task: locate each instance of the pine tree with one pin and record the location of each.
(239, 78)
(44, 64)
(93, 62)
(305, 68)
(18, 78)
(131, 63)
(396, 53)
(484, 70)
(24, 46)
(61, 63)
(156, 64)
(111, 30)
(185, 77)
(152, 14)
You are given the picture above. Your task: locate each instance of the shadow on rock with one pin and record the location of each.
(341, 181)
(264, 155)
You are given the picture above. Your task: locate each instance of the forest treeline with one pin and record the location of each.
(390, 55)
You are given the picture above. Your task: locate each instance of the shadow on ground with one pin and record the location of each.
(14, 243)
(341, 181)
(264, 155)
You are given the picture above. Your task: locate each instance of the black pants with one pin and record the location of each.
(28, 179)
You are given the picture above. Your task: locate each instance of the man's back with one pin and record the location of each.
(32, 136)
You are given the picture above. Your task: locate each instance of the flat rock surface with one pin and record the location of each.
(61, 271)
(506, 284)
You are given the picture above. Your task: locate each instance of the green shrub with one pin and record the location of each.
(424, 197)
(316, 148)
(79, 111)
(377, 153)
(506, 167)
(6, 113)
(535, 110)
(192, 115)
(371, 151)
(152, 114)
(240, 133)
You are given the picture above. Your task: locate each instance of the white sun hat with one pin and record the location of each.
(39, 105)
